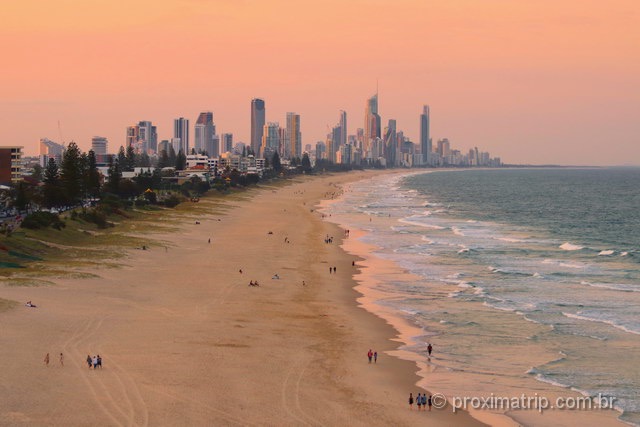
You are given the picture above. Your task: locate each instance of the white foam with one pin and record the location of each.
(624, 253)
(570, 247)
(605, 253)
(457, 231)
(608, 322)
(421, 224)
(510, 239)
(614, 286)
(537, 275)
(463, 251)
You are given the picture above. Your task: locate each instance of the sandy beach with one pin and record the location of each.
(186, 341)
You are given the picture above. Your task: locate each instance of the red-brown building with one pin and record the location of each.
(10, 164)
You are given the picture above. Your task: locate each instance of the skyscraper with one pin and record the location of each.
(391, 144)
(146, 137)
(371, 123)
(343, 127)
(425, 138)
(204, 132)
(257, 124)
(270, 140)
(181, 130)
(293, 141)
(133, 133)
(226, 142)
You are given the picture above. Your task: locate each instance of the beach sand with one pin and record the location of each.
(186, 341)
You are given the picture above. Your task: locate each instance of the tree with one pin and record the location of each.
(277, 166)
(143, 160)
(306, 163)
(121, 159)
(181, 161)
(92, 176)
(163, 160)
(38, 172)
(172, 156)
(52, 191)
(114, 176)
(131, 159)
(71, 173)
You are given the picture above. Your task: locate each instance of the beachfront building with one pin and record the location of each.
(10, 164)
(50, 150)
(257, 124)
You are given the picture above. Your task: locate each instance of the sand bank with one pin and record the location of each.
(186, 341)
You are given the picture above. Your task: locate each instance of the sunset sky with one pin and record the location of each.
(531, 81)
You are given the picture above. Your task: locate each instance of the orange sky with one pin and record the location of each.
(532, 81)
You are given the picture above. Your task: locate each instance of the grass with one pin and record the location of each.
(37, 257)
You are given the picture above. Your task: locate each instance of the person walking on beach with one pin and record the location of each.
(375, 357)
(61, 360)
(99, 361)
(429, 349)
(46, 359)
(429, 402)
(411, 401)
(424, 401)
(95, 362)
(89, 360)
(419, 401)
(370, 355)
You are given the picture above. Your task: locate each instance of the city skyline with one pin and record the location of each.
(550, 84)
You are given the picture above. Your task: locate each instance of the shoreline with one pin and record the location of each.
(373, 267)
(185, 341)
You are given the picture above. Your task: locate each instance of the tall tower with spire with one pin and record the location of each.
(371, 121)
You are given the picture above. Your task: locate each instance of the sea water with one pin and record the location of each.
(494, 250)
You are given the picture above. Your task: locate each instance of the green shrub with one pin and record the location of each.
(172, 201)
(42, 219)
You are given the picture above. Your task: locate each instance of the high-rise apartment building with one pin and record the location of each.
(257, 123)
(204, 132)
(270, 140)
(147, 137)
(343, 128)
(391, 148)
(133, 133)
(293, 141)
(99, 145)
(181, 130)
(371, 124)
(226, 143)
(425, 137)
(50, 150)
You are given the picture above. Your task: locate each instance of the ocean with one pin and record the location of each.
(517, 276)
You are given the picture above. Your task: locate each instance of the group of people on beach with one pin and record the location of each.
(94, 362)
(372, 355)
(422, 400)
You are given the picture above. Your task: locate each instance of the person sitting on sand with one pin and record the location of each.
(275, 276)
(29, 304)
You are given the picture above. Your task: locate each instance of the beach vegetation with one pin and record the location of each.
(42, 219)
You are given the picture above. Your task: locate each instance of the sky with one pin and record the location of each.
(530, 81)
